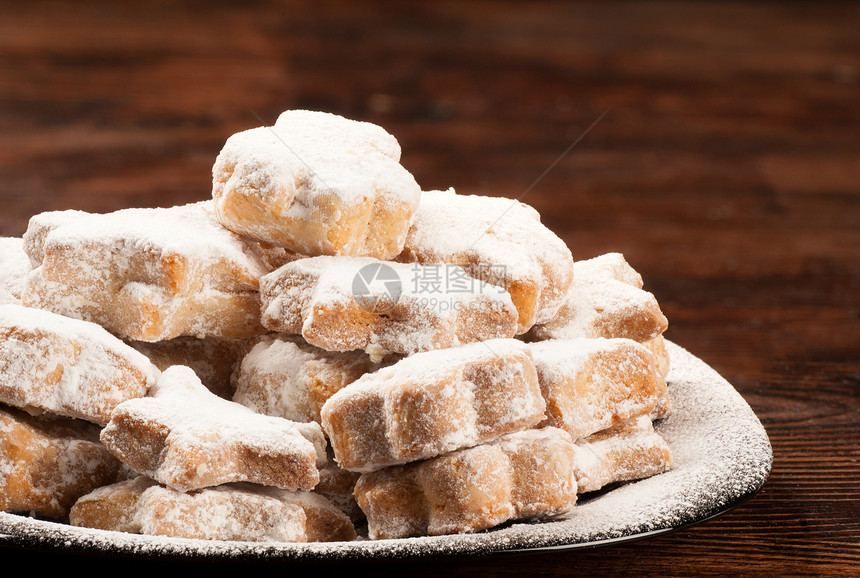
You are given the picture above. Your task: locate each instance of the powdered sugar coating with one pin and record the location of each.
(48, 462)
(498, 240)
(186, 437)
(433, 402)
(146, 274)
(67, 366)
(527, 474)
(592, 384)
(317, 184)
(606, 299)
(359, 303)
(629, 451)
(283, 376)
(611, 265)
(721, 455)
(14, 267)
(229, 512)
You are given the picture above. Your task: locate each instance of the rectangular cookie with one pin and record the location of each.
(433, 402)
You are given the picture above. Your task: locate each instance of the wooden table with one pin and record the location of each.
(717, 145)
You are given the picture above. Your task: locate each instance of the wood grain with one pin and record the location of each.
(725, 165)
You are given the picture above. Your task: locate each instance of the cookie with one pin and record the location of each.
(14, 268)
(628, 451)
(523, 475)
(499, 241)
(48, 462)
(67, 366)
(433, 402)
(232, 512)
(592, 384)
(284, 376)
(359, 303)
(606, 299)
(147, 274)
(213, 359)
(316, 184)
(187, 438)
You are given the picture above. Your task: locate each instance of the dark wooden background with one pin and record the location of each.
(723, 159)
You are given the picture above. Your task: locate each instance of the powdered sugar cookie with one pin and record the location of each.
(433, 402)
(231, 512)
(523, 475)
(592, 384)
(499, 241)
(48, 462)
(631, 450)
(146, 274)
(317, 184)
(605, 300)
(283, 376)
(186, 437)
(67, 366)
(14, 267)
(359, 303)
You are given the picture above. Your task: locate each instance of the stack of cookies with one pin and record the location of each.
(320, 351)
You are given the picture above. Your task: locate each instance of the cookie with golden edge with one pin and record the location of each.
(48, 462)
(359, 303)
(592, 384)
(284, 376)
(243, 512)
(606, 299)
(147, 274)
(497, 240)
(523, 475)
(186, 437)
(67, 366)
(433, 402)
(628, 451)
(316, 184)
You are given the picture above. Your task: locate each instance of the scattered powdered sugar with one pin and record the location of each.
(721, 454)
(341, 303)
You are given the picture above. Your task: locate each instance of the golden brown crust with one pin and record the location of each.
(592, 384)
(317, 184)
(232, 512)
(628, 451)
(67, 366)
(527, 474)
(48, 462)
(284, 376)
(146, 274)
(330, 302)
(499, 241)
(213, 359)
(433, 402)
(187, 438)
(606, 299)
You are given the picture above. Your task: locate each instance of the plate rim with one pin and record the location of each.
(18, 530)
